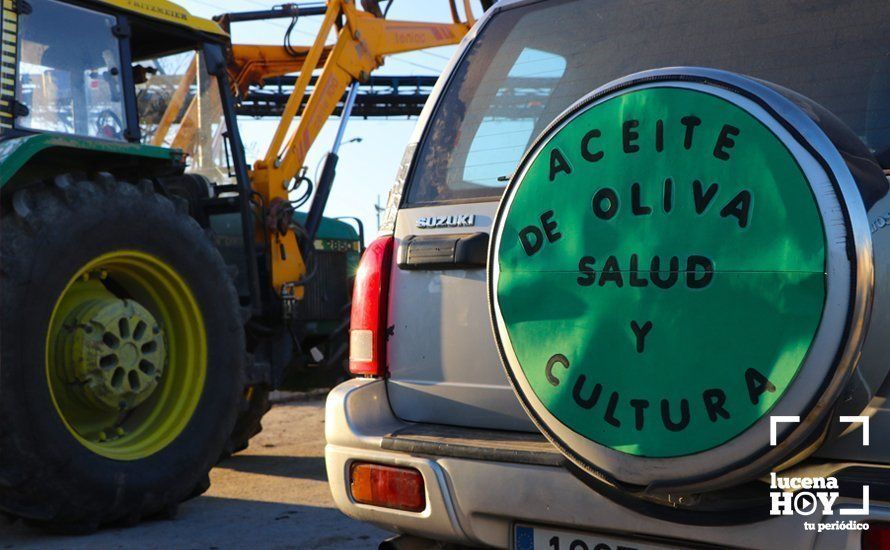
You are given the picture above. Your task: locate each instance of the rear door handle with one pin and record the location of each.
(464, 251)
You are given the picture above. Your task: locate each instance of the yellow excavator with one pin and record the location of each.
(154, 286)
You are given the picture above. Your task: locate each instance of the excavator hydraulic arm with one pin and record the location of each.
(251, 64)
(364, 39)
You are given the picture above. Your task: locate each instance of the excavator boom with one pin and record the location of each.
(364, 39)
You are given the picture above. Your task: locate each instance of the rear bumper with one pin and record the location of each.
(476, 500)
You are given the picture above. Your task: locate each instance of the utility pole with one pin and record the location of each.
(378, 210)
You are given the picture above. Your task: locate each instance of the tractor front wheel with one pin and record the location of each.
(122, 354)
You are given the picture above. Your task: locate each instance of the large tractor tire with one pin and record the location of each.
(122, 354)
(254, 406)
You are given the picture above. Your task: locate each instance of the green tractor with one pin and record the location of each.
(140, 336)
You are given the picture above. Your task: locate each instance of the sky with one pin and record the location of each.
(366, 169)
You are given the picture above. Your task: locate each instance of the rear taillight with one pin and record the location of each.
(877, 537)
(367, 334)
(387, 486)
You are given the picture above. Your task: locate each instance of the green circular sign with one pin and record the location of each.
(660, 271)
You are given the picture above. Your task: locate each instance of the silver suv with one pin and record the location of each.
(632, 286)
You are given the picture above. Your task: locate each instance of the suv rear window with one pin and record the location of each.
(531, 62)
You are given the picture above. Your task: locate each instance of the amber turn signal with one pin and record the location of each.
(387, 486)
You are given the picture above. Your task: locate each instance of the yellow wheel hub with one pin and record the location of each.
(115, 349)
(126, 355)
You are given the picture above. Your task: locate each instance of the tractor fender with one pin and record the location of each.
(31, 158)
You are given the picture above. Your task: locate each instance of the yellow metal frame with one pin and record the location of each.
(169, 12)
(250, 64)
(362, 43)
(175, 104)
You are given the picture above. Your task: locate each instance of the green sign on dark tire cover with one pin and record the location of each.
(660, 271)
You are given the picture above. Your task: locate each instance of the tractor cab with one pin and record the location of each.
(126, 76)
(128, 88)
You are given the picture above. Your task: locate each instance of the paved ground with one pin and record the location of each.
(274, 495)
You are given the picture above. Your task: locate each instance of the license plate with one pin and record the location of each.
(526, 537)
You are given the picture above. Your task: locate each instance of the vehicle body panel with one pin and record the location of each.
(456, 370)
(478, 501)
(443, 369)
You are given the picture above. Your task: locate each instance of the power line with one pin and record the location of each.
(427, 67)
(431, 54)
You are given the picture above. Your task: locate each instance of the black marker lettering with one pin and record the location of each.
(610, 410)
(673, 272)
(635, 200)
(531, 246)
(666, 415)
(558, 163)
(560, 359)
(758, 384)
(585, 266)
(592, 399)
(702, 200)
(608, 196)
(739, 208)
(714, 400)
(549, 226)
(641, 332)
(611, 273)
(628, 136)
(639, 406)
(696, 278)
(659, 135)
(690, 122)
(725, 141)
(635, 279)
(585, 147)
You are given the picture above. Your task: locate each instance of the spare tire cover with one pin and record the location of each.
(669, 267)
